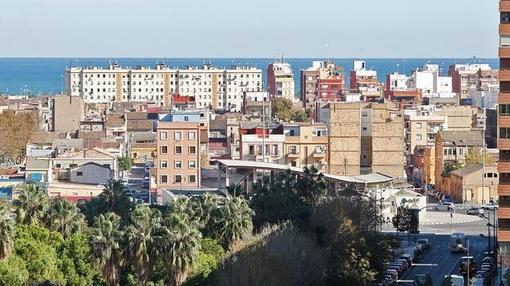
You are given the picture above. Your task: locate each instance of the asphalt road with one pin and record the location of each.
(439, 261)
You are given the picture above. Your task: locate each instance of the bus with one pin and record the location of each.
(457, 242)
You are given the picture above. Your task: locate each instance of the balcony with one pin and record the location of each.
(504, 52)
(504, 74)
(293, 155)
(504, 167)
(504, 144)
(503, 235)
(503, 190)
(504, 29)
(504, 97)
(504, 6)
(503, 212)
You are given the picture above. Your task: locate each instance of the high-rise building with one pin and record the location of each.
(323, 80)
(280, 79)
(212, 87)
(504, 133)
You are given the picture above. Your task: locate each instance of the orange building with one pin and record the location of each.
(178, 159)
(504, 133)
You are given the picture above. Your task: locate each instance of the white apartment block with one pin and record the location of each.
(212, 87)
(431, 83)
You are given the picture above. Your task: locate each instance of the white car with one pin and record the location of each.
(445, 206)
(490, 206)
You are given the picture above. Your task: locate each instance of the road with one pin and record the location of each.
(439, 261)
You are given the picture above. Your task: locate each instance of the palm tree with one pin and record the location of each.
(140, 238)
(6, 231)
(204, 209)
(64, 217)
(311, 185)
(106, 241)
(234, 221)
(115, 197)
(31, 203)
(179, 241)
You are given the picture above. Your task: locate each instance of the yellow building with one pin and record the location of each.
(143, 152)
(306, 145)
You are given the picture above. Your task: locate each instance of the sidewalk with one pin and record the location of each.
(438, 217)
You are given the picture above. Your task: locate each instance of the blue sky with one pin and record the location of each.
(257, 28)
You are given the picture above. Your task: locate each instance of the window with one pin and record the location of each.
(293, 150)
(251, 150)
(79, 173)
(164, 149)
(164, 164)
(504, 133)
(191, 135)
(163, 135)
(504, 109)
(178, 135)
(186, 118)
(192, 149)
(192, 164)
(178, 164)
(178, 149)
(164, 179)
(293, 163)
(418, 125)
(192, 178)
(364, 129)
(72, 165)
(418, 136)
(178, 178)
(58, 165)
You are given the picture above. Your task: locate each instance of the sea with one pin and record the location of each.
(37, 76)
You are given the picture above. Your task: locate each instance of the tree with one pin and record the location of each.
(6, 231)
(16, 130)
(124, 164)
(36, 246)
(477, 156)
(406, 219)
(74, 261)
(234, 221)
(311, 186)
(106, 240)
(114, 199)
(450, 167)
(31, 203)
(209, 257)
(282, 108)
(140, 238)
(64, 217)
(205, 208)
(178, 240)
(13, 272)
(299, 116)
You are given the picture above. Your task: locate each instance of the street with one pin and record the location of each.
(439, 261)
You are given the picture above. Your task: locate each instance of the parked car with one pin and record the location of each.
(445, 206)
(409, 257)
(474, 211)
(424, 243)
(490, 206)
(419, 279)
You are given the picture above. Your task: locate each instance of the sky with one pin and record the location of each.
(256, 28)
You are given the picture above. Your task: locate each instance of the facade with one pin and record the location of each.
(322, 81)
(451, 147)
(398, 90)
(431, 83)
(64, 164)
(177, 164)
(364, 138)
(504, 133)
(423, 163)
(67, 113)
(306, 145)
(91, 173)
(365, 82)
(469, 76)
(280, 79)
(211, 87)
(253, 137)
(470, 185)
(257, 103)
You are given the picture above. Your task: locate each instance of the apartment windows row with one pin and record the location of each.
(178, 135)
(178, 164)
(178, 150)
(270, 149)
(163, 179)
(451, 151)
